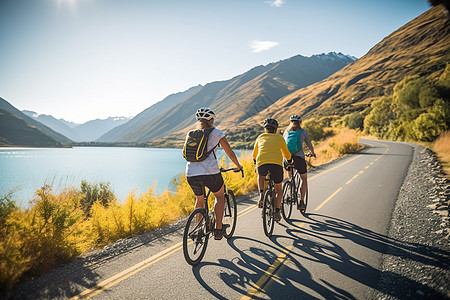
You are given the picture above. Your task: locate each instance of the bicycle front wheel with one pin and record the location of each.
(267, 213)
(286, 201)
(195, 237)
(230, 214)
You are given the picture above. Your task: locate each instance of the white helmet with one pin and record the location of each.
(295, 118)
(205, 113)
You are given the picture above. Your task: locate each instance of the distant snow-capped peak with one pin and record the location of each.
(334, 55)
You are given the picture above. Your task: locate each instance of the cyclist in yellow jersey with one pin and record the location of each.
(268, 153)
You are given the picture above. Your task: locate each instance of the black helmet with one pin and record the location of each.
(271, 123)
(296, 118)
(205, 113)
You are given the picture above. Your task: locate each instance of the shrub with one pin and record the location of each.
(315, 129)
(92, 193)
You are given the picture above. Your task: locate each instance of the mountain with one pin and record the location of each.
(14, 131)
(238, 98)
(94, 129)
(58, 125)
(6, 106)
(148, 114)
(87, 132)
(421, 47)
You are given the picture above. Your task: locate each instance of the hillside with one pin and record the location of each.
(239, 98)
(16, 132)
(421, 47)
(59, 126)
(6, 106)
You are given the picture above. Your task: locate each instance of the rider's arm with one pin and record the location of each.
(308, 143)
(285, 150)
(227, 148)
(255, 151)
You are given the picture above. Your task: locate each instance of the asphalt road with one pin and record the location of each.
(332, 253)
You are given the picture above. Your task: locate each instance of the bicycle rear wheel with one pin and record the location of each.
(267, 213)
(286, 202)
(230, 214)
(195, 237)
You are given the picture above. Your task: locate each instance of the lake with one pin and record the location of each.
(126, 169)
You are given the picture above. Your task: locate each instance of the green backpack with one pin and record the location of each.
(194, 149)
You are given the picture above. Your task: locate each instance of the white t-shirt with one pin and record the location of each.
(209, 166)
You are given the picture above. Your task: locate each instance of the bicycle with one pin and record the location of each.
(290, 193)
(268, 208)
(201, 223)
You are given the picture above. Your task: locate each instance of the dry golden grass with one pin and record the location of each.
(343, 142)
(442, 148)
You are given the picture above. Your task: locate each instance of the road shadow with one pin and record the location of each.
(318, 243)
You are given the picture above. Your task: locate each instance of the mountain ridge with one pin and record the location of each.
(239, 97)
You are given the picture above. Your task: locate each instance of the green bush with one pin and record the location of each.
(7, 206)
(418, 109)
(95, 193)
(315, 129)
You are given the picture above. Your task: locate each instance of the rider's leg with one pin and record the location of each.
(279, 194)
(261, 180)
(219, 207)
(304, 186)
(200, 201)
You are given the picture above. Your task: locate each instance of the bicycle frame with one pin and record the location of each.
(206, 206)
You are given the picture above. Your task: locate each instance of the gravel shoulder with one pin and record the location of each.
(416, 264)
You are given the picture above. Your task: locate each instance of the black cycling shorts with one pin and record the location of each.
(212, 182)
(300, 164)
(276, 172)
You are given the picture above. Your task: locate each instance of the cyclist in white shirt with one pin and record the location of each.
(208, 171)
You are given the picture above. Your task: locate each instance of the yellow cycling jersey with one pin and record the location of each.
(270, 149)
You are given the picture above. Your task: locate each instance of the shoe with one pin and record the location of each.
(260, 204)
(302, 205)
(218, 233)
(277, 216)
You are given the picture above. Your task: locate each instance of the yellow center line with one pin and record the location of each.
(359, 173)
(268, 275)
(107, 283)
(328, 199)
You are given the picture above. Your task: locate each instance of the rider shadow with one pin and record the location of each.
(315, 244)
(242, 272)
(318, 244)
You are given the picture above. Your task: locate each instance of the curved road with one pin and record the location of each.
(334, 252)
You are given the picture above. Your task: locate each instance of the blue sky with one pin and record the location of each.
(87, 59)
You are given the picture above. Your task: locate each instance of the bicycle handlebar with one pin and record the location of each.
(309, 154)
(233, 169)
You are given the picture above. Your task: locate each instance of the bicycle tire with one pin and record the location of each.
(230, 214)
(195, 237)
(267, 213)
(287, 201)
